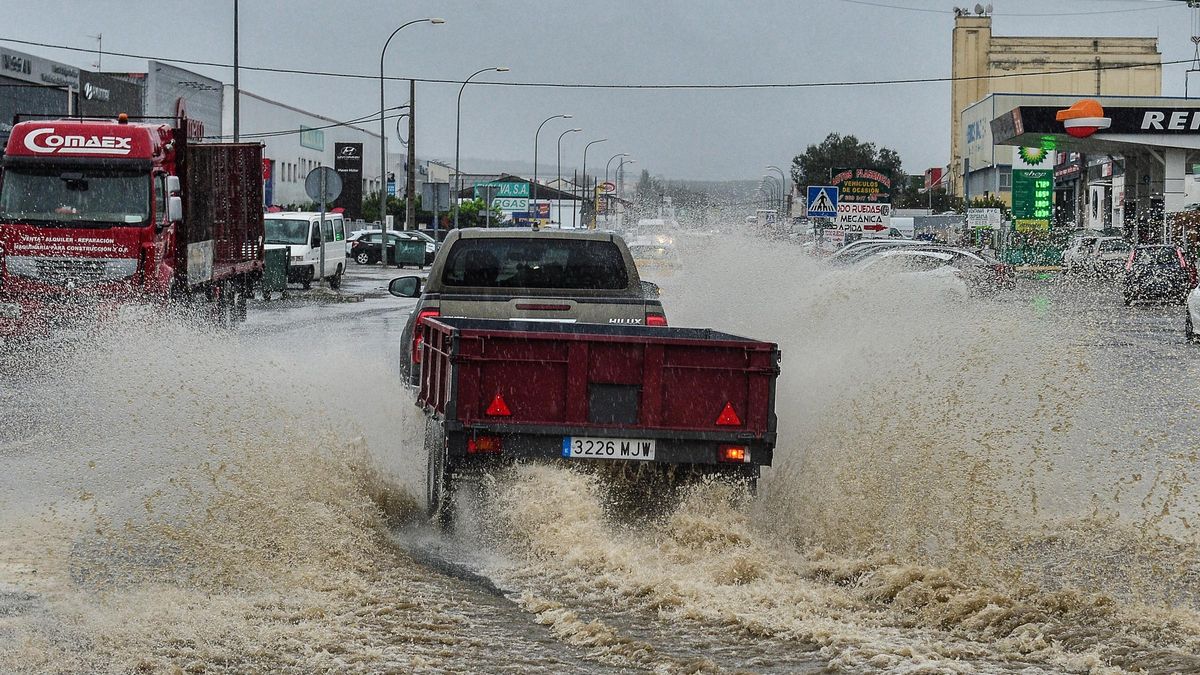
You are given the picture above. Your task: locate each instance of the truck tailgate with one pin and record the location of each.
(598, 379)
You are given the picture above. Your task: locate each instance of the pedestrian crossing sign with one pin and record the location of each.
(822, 201)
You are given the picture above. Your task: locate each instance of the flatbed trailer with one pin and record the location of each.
(692, 400)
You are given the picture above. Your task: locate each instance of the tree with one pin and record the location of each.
(818, 162)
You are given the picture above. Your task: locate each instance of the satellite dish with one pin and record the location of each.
(978, 9)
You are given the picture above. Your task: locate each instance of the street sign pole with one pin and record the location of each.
(321, 233)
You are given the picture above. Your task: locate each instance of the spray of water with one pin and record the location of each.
(950, 489)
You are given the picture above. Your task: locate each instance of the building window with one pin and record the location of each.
(1006, 180)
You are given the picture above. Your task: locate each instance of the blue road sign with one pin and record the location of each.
(822, 201)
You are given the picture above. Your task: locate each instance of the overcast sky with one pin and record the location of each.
(678, 134)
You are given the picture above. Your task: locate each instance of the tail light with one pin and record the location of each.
(733, 454)
(1182, 262)
(484, 445)
(418, 336)
(1129, 263)
(656, 319)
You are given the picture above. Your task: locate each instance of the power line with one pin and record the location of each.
(372, 117)
(927, 10)
(589, 85)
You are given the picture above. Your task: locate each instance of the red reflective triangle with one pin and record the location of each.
(499, 408)
(728, 418)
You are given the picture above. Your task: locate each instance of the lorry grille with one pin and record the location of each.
(71, 271)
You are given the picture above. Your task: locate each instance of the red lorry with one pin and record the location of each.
(98, 212)
(689, 400)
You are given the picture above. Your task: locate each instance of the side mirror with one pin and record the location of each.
(316, 241)
(651, 290)
(405, 287)
(173, 185)
(174, 207)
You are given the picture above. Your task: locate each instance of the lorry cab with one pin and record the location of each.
(303, 235)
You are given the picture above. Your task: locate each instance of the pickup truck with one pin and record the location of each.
(688, 401)
(556, 276)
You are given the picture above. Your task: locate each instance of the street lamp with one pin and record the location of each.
(776, 188)
(621, 164)
(560, 136)
(533, 191)
(783, 186)
(585, 149)
(457, 126)
(607, 164)
(383, 138)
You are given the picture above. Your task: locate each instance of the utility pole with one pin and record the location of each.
(410, 180)
(237, 107)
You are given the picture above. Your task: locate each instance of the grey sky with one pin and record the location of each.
(679, 134)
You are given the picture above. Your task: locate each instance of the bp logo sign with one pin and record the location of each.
(1033, 156)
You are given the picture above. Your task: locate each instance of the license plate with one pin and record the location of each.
(585, 447)
(10, 310)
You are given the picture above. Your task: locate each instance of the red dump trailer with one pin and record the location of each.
(691, 399)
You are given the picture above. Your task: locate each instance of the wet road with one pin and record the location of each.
(1002, 486)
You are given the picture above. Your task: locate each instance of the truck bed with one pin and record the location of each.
(535, 385)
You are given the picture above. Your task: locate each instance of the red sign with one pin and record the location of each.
(875, 228)
(1083, 118)
(80, 139)
(266, 169)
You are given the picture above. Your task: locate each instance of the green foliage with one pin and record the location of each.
(817, 163)
(474, 214)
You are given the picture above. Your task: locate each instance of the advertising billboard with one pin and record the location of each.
(348, 162)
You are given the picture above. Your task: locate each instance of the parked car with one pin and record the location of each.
(364, 246)
(980, 271)
(1078, 251)
(1192, 319)
(1108, 256)
(1158, 272)
(935, 269)
(861, 248)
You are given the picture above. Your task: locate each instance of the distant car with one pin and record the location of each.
(365, 248)
(981, 272)
(655, 259)
(1192, 320)
(1158, 272)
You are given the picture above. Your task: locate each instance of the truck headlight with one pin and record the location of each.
(297, 258)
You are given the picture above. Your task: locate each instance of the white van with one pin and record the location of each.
(299, 233)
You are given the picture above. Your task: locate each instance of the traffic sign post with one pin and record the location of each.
(822, 201)
(323, 184)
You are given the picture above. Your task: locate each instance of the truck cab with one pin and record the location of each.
(554, 276)
(93, 211)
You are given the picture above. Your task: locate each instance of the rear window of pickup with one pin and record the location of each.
(577, 264)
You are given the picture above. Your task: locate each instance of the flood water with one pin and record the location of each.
(1005, 484)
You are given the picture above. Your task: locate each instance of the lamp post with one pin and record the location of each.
(783, 186)
(533, 190)
(620, 183)
(585, 149)
(457, 126)
(606, 166)
(383, 138)
(560, 137)
(776, 189)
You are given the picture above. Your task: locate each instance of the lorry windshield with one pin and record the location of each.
(536, 263)
(286, 231)
(76, 196)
